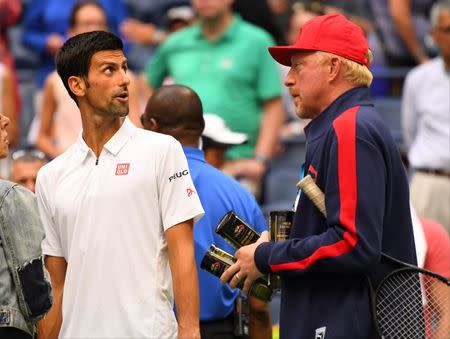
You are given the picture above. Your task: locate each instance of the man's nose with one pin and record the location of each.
(125, 78)
(4, 120)
(288, 79)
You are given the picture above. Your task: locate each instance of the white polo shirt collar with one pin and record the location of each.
(113, 146)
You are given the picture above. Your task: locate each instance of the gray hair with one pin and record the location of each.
(436, 10)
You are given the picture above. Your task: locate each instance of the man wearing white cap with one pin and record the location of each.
(217, 138)
(353, 159)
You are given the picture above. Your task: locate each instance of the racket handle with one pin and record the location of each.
(314, 193)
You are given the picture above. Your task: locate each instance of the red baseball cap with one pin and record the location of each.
(332, 33)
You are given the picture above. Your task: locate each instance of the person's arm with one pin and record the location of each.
(34, 34)
(271, 123)
(49, 327)
(180, 244)
(439, 294)
(142, 32)
(409, 113)
(44, 139)
(260, 320)
(9, 106)
(352, 234)
(400, 11)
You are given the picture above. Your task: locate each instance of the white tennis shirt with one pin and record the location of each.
(108, 221)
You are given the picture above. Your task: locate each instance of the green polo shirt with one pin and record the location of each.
(233, 75)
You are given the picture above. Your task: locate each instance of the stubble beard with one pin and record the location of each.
(117, 110)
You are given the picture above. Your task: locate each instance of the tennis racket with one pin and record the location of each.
(410, 302)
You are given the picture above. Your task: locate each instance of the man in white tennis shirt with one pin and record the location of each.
(118, 209)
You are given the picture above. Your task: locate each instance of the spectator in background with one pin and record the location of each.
(10, 11)
(426, 124)
(59, 121)
(225, 60)
(263, 17)
(217, 138)
(403, 26)
(25, 166)
(437, 259)
(46, 24)
(148, 24)
(177, 111)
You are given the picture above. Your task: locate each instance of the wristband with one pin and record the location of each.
(262, 159)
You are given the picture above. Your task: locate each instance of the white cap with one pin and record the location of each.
(218, 131)
(184, 13)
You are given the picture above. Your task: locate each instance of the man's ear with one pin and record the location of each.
(77, 85)
(335, 66)
(152, 125)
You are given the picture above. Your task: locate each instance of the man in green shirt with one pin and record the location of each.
(225, 60)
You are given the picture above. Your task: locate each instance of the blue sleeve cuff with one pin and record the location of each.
(262, 254)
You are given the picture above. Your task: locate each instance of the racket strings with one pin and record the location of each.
(412, 305)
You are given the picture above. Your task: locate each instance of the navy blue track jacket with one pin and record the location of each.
(354, 160)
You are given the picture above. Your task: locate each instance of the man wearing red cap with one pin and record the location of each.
(327, 262)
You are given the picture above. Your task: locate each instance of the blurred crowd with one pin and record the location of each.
(411, 67)
(402, 35)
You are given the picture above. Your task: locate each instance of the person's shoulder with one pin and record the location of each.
(369, 119)
(161, 143)
(52, 80)
(254, 33)
(58, 164)
(154, 137)
(181, 37)
(5, 188)
(12, 191)
(424, 70)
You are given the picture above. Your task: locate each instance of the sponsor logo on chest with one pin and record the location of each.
(122, 169)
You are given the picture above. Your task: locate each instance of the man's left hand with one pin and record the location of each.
(245, 268)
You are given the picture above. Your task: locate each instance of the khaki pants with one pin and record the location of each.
(430, 196)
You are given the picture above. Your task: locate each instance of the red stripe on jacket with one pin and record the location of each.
(345, 129)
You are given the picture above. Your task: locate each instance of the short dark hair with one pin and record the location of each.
(79, 5)
(74, 57)
(178, 111)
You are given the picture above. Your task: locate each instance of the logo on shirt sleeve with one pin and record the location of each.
(190, 192)
(178, 175)
(122, 169)
(312, 171)
(320, 332)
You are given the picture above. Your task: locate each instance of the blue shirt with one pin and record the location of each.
(218, 194)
